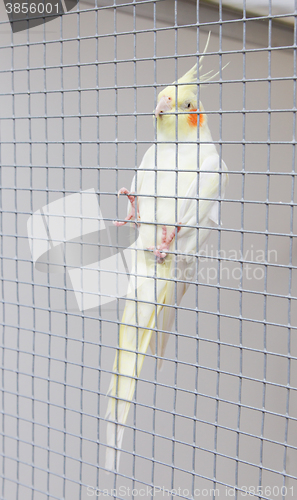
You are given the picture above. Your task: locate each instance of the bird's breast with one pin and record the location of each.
(164, 187)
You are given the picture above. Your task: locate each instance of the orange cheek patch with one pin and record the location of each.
(192, 119)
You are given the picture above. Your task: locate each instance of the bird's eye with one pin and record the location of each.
(188, 105)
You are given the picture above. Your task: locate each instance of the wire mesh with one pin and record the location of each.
(77, 98)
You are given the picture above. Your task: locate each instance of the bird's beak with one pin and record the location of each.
(163, 105)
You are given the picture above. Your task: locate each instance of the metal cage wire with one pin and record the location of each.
(77, 95)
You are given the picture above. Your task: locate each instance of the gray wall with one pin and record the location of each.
(56, 361)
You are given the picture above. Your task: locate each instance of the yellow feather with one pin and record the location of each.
(133, 344)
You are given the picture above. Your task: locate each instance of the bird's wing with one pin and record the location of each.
(211, 182)
(175, 290)
(201, 207)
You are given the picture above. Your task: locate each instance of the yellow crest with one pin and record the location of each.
(191, 76)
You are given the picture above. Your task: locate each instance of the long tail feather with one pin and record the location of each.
(133, 344)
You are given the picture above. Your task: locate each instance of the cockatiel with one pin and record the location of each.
(173, 199)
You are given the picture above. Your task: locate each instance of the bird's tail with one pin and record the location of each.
(133, 344)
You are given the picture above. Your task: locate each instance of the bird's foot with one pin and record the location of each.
(131, 215)
(161, 250)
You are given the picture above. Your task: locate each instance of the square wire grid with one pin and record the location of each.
(222, 414)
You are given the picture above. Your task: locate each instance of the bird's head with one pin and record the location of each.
(178, 113)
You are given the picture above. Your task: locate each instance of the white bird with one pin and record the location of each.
(174, 200)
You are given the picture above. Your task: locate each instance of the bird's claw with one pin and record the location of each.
(161, 251)
(131, 215)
